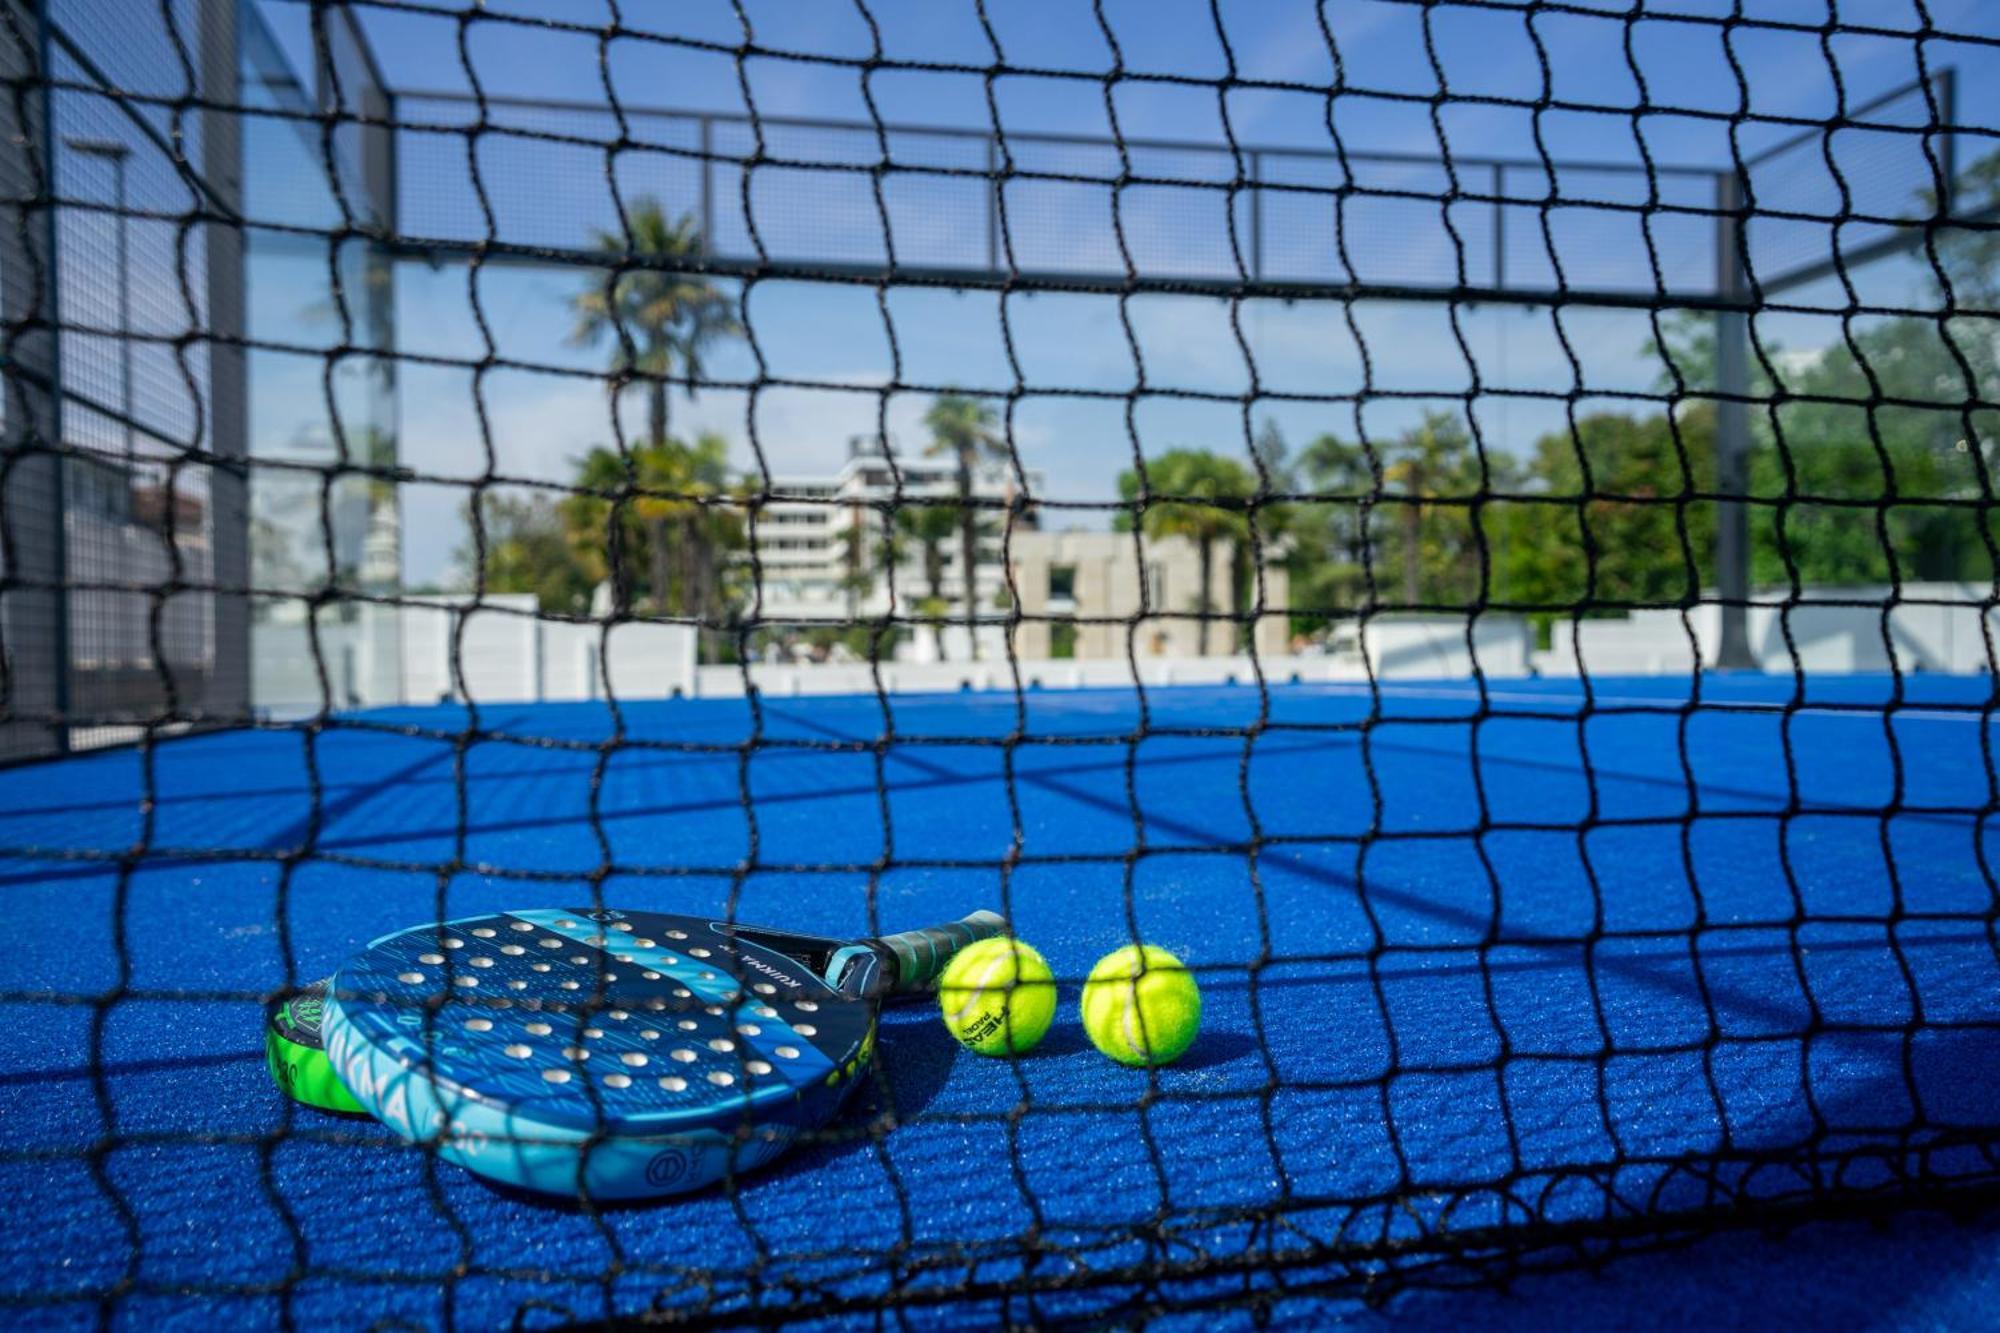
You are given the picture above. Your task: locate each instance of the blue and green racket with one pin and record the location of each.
(616, 1054)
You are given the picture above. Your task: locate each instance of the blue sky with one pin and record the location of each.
(836, 337)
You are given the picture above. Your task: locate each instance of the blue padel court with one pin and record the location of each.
(1526, 971)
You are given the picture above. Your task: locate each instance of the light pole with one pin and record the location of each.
(116, 154)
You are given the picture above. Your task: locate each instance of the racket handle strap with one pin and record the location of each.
(917, 956)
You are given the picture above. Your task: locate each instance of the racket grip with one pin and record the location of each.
(917, 956)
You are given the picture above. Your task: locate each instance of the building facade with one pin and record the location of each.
(826, 557)
(1095, 578)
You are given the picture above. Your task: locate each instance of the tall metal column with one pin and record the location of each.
(1732, 429)
(34, 608)
(229, 414)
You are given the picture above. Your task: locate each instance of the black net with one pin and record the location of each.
(1471, 523)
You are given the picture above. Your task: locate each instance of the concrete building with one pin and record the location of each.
(1095, 576)
(820, 547)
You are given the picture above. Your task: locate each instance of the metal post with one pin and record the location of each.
(708, 186)
(34, 596)
(117, 154)
(1499, 228)
(231, 689)
(1948, 114)
(1732, 429)
(992, 203)
(1256, 215)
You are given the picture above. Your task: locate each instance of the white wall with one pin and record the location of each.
(1412, 647)
(506, 654)
(1826, 635)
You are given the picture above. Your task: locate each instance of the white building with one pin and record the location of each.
(820, 546)
(1094, 577)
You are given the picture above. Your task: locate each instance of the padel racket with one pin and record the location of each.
(296, 1056)
(621, 1054)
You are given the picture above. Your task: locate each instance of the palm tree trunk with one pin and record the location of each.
(934, 577)
(1202, 603)
(1239, 580)
(656, 411)
(968, 552)
(693, 600)
(656, 539)
(1412, 528)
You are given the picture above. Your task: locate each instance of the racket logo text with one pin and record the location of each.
(668, 1166)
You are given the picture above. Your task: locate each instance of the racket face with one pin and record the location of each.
(626, 1054)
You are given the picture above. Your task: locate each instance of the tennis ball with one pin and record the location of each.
(998, 996)
(1141, 1006)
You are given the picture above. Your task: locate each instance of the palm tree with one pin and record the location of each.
(661, 315)
(1427, 461)
(928, 527)
(967, 430)
(857, 580)
(1195, 478)
(674, 520)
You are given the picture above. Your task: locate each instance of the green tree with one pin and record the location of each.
(927, 527)
(1194, 481)
(667, 508)
(1422, 470)
(857, 579)
(1616, 520)
(1329, 530)
(659, 314)
(1400, 509)
(967, 431)
(1868, 451)
(526, 548)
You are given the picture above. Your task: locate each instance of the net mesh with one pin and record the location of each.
(1311, 549)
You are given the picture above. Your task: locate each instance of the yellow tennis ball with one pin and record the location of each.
(1141, 1006)
(998, 996)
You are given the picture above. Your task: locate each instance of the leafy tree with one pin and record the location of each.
(1872, 447)
(660, 316)
(1329, 533)
(857, 580)
(665, 508)
(927, 527)
(1618, 523)
(967, 431)
(1431, 463)
(527, 549)
(1195, 479)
